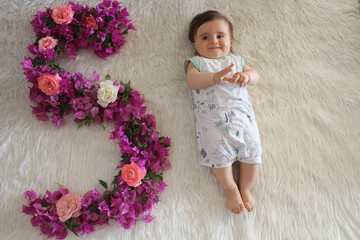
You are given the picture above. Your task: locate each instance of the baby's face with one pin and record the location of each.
(213, 39)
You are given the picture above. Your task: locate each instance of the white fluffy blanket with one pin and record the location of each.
(307, 106)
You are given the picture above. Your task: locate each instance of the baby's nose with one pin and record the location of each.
(214, 40)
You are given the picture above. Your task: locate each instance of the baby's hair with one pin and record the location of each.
(204, 17)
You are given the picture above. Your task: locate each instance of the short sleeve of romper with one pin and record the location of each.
(226, 128)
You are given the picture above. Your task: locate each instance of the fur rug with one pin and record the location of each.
(307, 106)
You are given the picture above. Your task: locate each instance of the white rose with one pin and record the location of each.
(107, 93)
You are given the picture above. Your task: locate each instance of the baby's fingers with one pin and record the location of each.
(227, 79)
(235, 78)
(243, 79)
(225, 71)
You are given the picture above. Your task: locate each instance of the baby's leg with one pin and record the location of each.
(225, 178)
(248, 176)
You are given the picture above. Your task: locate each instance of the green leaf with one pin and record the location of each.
(107, 77)
(128, 86)
(108, 38)
(103, 183)
(138, 144)
(127, 93)
(44, 203)
(71, 225)
(37, 41)
(64, 107)
(115, 181)
(158, 178)
(125, 158)
(87, 120)
(95, 12)
(82, 123)
(48, 22)
(125, 32)
(79, 93)
(38, 62)
(165, 145)
(144, 200)
(73, 230)
(94, 207)
(57, 50)
(54, 65)
(147, 178)
(88, 123)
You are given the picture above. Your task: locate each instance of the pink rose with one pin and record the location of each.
(62, 14)
(49, 84)
(68, 206)
(91, 22)
(47, 43)
(132, 174)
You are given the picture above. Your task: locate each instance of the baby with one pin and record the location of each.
(225, 123)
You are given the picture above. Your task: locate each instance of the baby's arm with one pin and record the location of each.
(199, 80)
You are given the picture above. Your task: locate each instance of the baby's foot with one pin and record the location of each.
(248, 199)
(234, 201)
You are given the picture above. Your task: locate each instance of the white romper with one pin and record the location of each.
(226, 128)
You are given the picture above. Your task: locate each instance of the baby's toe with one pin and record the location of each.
(249, 207)
(236, 210)
(242, 207)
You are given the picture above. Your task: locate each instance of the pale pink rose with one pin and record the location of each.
(47, 43)
(62, 14)
(132, 174)
(49, 84)
(68, 206)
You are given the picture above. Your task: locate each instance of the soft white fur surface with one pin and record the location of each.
(307, 107)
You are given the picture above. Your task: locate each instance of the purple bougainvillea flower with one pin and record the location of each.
(30, 195)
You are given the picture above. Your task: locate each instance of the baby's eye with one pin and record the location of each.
(220, 36)
(204, 38)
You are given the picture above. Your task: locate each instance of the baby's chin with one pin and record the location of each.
(215, 54)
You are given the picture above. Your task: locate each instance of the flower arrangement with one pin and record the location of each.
(57, 93)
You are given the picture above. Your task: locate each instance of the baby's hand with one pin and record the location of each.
(243, 78)
(221, 76)
(234, 78)
(239, 77)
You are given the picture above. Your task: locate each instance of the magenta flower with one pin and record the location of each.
(30, 195)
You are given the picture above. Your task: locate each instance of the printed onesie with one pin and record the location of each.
(226, 128)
